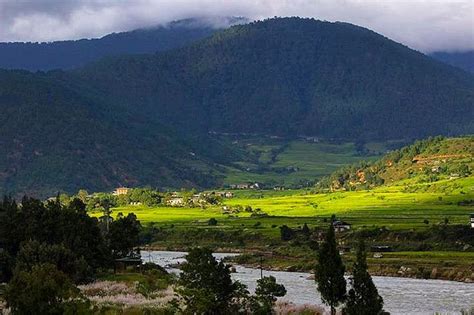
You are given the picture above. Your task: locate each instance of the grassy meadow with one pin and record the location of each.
(284, 162)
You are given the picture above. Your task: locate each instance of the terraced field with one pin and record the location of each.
(385, 206)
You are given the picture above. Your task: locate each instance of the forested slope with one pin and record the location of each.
(294, 76)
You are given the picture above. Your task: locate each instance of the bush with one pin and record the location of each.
(212, 222)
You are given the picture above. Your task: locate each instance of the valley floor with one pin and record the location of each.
(426, 227)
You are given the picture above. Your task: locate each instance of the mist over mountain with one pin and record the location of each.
(144, 119)
(75, 53)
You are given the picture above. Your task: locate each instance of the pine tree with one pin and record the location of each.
(329, 272)
(363, 297)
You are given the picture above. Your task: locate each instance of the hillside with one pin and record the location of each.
(434, 160)
(462, 60)
(293, 76)
(74, 53)
(56, 139)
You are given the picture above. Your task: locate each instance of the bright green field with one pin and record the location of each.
(384, 206)
(306, 161)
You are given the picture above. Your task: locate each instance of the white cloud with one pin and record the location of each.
(425, 25)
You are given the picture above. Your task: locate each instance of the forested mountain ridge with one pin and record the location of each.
(462, 60)
(54, 138)
(74, 53)
(294, 76)
(425, 161)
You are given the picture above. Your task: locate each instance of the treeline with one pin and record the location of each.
(430, 160)
(142, 197)
(47, 248)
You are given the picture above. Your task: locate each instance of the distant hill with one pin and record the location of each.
(426, 161)
(293, 76)
(74, 53)
(462, 60)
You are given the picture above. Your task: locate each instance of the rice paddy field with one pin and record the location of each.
(278, 161)
(389, 206)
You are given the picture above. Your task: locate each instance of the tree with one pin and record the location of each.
(52, 224)
(212, 222)
(363, 297)
(124, 235)
(266, 293)
(206, 286)
(286, 233)
(305, 230)
(106, 205)
(329, 272)
(82, 195)
(34, 253)
(42, 290)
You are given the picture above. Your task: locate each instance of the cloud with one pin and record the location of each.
(426, 25)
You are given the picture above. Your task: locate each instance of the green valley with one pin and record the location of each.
(425, 223)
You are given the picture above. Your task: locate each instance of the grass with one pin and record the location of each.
(388, 206)
(294, 162)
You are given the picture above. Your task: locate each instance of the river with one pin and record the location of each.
(401, 295)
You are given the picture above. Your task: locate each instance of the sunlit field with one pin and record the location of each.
(385, 206)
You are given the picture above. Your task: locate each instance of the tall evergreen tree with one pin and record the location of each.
(329, 272)
(206, 286)
(363, 297)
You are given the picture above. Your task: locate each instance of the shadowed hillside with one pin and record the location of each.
(294, 76)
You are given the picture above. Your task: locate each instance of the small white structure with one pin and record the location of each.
(175, 201)
(472, 220)
(341, 226)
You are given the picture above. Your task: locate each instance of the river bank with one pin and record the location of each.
(401, 295)
(451, 266)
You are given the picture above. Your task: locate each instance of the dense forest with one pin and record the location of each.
(293, 76)
(55, 139)
(463, 60)
(144, 120)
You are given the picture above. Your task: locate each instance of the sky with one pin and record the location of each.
(425, 25)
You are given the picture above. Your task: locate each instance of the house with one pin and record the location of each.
(341, 226)
(224, 194)
(472, 220)
(175, 201)
(255, 186)
(121, 191)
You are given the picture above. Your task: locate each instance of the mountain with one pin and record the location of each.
(426, 161)
(55, 139)
(462, 60)
(293, 76)
(74, 53)
(145, 119)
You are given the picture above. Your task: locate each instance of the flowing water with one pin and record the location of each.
(401, 295)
